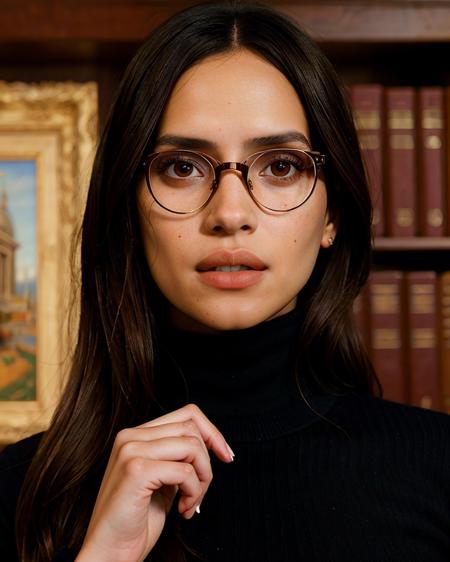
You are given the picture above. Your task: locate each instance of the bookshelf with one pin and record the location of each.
(398, 42)
(416, 243)
(393, 43)
(412, 253)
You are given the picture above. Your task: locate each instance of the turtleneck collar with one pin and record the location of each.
(240, 377)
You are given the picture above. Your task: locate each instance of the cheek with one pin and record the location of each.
(298, 254)
(299, 244)
(166, 244)
(164, 248)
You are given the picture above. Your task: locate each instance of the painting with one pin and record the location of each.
(18, 280)
(48, 134)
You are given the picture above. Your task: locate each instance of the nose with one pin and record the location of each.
(231, 209)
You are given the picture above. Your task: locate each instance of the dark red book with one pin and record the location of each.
(367, 104)
(447, 139)
(444, 338)
(401, 162)
(431, 158)
(422, 336)
(386, 333)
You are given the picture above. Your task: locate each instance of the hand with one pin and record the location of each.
(147, 466)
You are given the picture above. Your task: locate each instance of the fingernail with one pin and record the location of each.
(197, 509)
(230, 450)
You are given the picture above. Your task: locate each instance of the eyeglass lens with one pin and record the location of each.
(279, 179)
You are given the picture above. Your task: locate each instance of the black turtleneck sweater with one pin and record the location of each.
(355, 478)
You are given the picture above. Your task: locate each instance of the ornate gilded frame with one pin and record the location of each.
(54, 124)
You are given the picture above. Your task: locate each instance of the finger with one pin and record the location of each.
(176, 429)
(187, 449)
(150, 475)
(212, 437)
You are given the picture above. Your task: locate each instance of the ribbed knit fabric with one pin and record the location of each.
(382, 493)
(369, 483)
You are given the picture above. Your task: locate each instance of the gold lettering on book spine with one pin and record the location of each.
(367, 119)
(432, 118)
(422, 298)
(400, 119)
(385, 299)
(426, 402)
(435, 217)
(432, 142)
(386, 338)
(404, 216)
(401, 141)
(368, 141)
(423, 338)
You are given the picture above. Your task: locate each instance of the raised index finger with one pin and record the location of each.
(212, 437)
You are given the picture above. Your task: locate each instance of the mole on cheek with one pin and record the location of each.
(179, 236)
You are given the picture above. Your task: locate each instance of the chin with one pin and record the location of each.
(226, 324)
(229, 318)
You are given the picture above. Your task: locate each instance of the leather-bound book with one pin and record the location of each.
(431, 158)
(444, 338)
(401, 162)
(367, 105)
(447, 152)
(423, 356)
(386, 331)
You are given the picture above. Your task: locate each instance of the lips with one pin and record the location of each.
(222, 258)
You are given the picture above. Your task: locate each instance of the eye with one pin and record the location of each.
(280, 168)
(285, 166)
(178, 168)
(182, 169)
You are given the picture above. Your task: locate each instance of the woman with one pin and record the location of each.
(226, 235)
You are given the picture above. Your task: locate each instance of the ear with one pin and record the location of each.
(329, 232)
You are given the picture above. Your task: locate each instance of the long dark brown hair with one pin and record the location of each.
(111, 383)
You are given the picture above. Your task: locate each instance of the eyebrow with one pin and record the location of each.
(197, 143)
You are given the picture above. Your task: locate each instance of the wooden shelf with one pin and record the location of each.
(131, 20)
(412, 244)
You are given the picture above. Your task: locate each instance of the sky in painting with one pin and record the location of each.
(18, 180)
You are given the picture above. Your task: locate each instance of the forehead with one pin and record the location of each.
(238, 94)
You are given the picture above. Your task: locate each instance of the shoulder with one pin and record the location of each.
(19, 454)
(391, 422)
(15, 460)
(367, 409)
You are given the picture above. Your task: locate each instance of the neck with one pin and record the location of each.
(237, 372)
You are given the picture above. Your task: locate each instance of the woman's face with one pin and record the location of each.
(230, 104)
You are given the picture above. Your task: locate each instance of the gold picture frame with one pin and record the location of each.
(54, 125)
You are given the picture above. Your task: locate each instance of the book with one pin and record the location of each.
(386, 333)
(447, 153)
(423, 359)
(367, 105)
(431, 159)
(401, 158)
(444, 338)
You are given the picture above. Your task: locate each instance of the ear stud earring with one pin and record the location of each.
(330, 240)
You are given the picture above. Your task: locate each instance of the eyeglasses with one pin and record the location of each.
(278, 179)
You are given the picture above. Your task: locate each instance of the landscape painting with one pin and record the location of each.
(48, 136)
(17, 280)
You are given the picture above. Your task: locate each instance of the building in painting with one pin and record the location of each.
(13, 307)
(8, 247)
